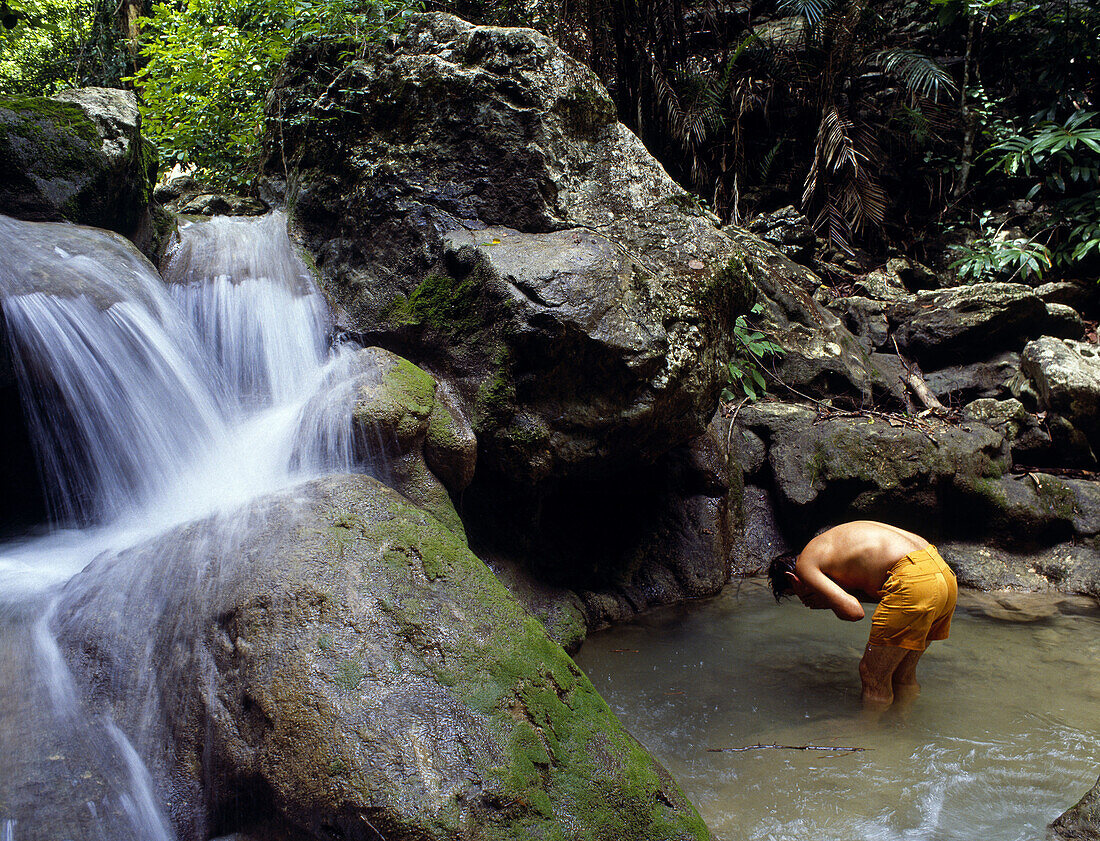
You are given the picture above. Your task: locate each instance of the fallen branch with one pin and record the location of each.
(914, 378)
(787, 747)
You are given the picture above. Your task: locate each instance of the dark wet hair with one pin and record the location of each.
(777, 574)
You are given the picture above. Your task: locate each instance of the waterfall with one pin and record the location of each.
(149, 402)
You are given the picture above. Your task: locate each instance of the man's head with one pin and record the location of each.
(782, 576)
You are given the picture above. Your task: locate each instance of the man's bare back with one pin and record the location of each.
(858, 555)
(859, 561)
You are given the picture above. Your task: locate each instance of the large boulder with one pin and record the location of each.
(472, 203)
(1066, 375)
(826, 468)
(970, 322)
(336, 662)
(76, 157)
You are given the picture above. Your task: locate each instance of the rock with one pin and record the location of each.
(409, 429)
(343, 661)
(1063, 322)
(964, 383)
(788, 230)
(656, 535)
(185, 195)
(1079, 294)
(864, 317)
(1009, 606)
(1072, 567)
(221, 204)
(831, 469)
(76, 157)
(1033, 509)
(882, 285)
(979, 566)
(1029, 441)
(1082, 821)
(586, 335)
(761, 540)
(1066, 375)
(821, 358)
(968, 322)
(914, 276)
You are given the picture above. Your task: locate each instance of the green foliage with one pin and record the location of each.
(52, 45)
(743, 372)
(995, 254)
(210, 64)
(1058, 163)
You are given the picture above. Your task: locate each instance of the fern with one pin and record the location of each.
(920, 74)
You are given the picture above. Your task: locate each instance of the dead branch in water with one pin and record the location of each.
(787, 747)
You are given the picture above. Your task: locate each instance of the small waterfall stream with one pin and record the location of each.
(149, 403)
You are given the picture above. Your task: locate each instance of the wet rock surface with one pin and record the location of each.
(1082, 821)
(351, 664)
(539, 260)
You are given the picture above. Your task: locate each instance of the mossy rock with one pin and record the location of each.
(347, 660)
(78, 157)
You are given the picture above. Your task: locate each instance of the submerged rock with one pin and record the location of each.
(336, 661)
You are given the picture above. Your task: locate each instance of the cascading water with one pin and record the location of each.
(150, 403)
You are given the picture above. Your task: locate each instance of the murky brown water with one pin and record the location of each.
(1004, 737)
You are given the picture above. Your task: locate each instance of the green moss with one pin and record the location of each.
(349, 675)
(443, 429)
(568, 769)
(37, 111)
(585, 111)
(414, 387)
(990, 493)
(440, 302)
(1058, 497)
(819, 463)
(990, 468)
(149, 164)
(324, 642)
(495, 396)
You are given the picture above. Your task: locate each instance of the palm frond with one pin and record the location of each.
(813, 10)
(842, 179)
(919, 74)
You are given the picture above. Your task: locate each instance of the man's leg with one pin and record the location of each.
(876, 670)
(906, 688)
(905, 675)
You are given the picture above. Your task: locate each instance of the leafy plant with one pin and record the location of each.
(993, 254)
(51, 45)
(210, 64)
(1059, 163)
(743, 372)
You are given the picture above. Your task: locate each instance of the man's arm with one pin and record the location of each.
(827, 593)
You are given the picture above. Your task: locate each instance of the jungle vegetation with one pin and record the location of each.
(963, 128)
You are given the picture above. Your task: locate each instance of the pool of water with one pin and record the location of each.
(1004, 736)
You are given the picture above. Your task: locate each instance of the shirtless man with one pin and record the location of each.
(875, 562)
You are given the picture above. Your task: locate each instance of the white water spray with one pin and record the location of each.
(149, 405)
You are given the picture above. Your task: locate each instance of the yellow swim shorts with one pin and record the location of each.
(918, 599)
